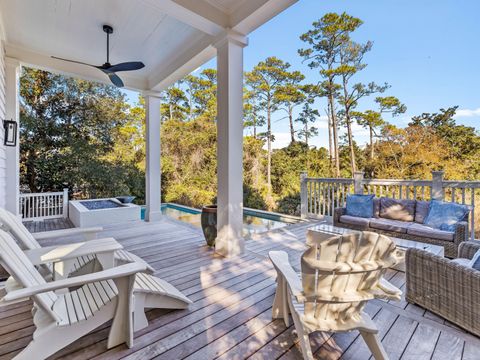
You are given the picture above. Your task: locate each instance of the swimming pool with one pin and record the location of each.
(254, 221)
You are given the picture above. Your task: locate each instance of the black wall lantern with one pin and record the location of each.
(10, 127)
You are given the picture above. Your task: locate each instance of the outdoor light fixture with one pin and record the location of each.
(10, 127)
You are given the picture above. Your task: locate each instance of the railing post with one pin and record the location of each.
(65, 203)
(358, 182)
(437, 185)
(303, 195)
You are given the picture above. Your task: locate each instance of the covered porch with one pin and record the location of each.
(172, 39)
(230, 317)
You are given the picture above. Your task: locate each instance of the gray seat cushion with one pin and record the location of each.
(462, 261)
(426, 231)
(421, 211)
(390, 225)
(357, 221)
(395, 209)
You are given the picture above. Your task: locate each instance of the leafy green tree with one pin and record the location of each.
(201, 92)
(68, 126)
(264, 80)
(174, 104)
(463, 141)
(351, 62)
(290, 95)
(306, 117)
(252, 116)
(324, 44)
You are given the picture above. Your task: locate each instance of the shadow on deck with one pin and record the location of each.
(231, 314)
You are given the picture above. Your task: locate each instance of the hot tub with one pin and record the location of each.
(97, 212)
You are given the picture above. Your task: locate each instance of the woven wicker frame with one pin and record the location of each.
(445, 287)
(451, 247)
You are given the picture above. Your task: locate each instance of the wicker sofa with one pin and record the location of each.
(391, 224)
(446, 287)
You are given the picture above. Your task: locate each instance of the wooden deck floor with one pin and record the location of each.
(231, 314)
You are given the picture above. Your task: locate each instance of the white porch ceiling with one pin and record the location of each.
(172, 37)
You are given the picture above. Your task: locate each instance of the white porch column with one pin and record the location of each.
(152, 169)
(229, 240)
(12, 88)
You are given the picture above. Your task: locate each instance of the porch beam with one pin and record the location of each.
(152, 169)
(12, 92)
(229, 240)
(198, 14)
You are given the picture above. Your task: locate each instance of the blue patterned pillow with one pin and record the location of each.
(445, 215)
(475, 262)
(360, 205)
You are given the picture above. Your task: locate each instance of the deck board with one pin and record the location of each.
(230, 317)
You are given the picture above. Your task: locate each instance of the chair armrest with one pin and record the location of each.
(113, 273)
(468, 248)
(337, 213)
(53, 254)
(388, 291)
(88, 233)
(282, 265)
(461, 232)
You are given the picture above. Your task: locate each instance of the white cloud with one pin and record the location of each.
(467, 113)
(322, 122)
(282, 139)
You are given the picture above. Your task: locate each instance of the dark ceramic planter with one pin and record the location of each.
(209, 223)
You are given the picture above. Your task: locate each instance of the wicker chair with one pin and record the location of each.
(446, 287)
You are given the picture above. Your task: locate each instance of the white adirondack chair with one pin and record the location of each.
(339, 275)
(62, 319)
(104, 252)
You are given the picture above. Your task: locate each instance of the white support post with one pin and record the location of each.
(358, 182)
(65, 203)
(152, 168)
(303, 195)
(437, 185)
(12, 187)
(229, 240)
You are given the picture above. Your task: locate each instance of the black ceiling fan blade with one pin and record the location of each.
(76, 62)
(115, 79)
(127, 66)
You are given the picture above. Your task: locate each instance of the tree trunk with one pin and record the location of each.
(350, 145)
(334, 128)
(269, 149)
(254, 124)
(371, 144)
(330, 145)
(290, 118)
(349, 126)
(171, 111)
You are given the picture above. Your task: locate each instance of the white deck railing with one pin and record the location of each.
(320, 196)
(40, 206)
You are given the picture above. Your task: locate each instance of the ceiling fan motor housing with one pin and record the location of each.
(108, 29)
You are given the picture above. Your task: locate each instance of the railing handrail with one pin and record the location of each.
(41, 194)
(47, 205)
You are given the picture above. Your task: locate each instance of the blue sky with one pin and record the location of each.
(428, 51)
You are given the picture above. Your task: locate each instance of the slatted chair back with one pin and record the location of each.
(13, 259)
(13, 224)
(339, 271)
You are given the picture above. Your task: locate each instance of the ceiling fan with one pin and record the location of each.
(109, 69)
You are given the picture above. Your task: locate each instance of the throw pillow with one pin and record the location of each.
(444, 215)
(421, 211)
(395, 209)
(475, 262)
(360, 205)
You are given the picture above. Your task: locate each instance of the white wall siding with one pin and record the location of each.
(2, 117)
